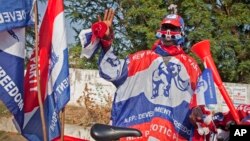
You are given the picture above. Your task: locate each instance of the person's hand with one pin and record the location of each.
(196, 115)
(108, 20)
(103, 29)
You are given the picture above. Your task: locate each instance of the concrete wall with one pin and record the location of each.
(83, 81)
(239, 94)
(88, 82)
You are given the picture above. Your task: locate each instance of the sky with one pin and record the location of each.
(70, 32)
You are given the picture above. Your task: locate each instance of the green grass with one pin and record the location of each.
(1, 133)
(4, 112)
(9, 136)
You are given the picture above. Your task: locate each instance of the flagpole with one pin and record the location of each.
(37, 73)
(62, 123)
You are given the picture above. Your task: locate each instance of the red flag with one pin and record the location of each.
(54, 76)
(69, 138)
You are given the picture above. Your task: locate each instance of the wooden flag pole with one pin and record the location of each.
(62, 123)
(37, 73)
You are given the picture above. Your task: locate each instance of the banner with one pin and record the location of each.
(12, 71)
(90, 44)
(54, 76)
(205, 90)
(15, 13)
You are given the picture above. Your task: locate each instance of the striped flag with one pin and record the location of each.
(54, 76)
(205, 90)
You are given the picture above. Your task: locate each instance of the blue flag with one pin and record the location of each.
(14, 16)
(12, 72)
(15, 13)
(205, 90)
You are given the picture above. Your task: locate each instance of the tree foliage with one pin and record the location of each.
(226, 23)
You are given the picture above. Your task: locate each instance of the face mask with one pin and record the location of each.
(168, 35)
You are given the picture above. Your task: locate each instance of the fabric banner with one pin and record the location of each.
(205, 90)
(90, 44)
(153, 94)
(12, 71)
(15, 13)
(54, 76)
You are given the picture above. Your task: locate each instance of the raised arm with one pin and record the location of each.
(111, 67)
(103, 29)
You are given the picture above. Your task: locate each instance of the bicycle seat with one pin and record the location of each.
(103, 132)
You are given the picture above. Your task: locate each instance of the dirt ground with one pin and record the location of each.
(81, 116)
(7, 136)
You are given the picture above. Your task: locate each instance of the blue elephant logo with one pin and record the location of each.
(164, 76)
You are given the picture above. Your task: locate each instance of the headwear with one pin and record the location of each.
(173, 19)
(177, 36)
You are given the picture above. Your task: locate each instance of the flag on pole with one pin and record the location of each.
(14, 17)
(54, 76)
(12, 71)
(205, 90)
(15, 14)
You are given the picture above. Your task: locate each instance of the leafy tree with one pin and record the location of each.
(226, 23)
(134, 26)
(30, 41)
(30, 34)
(77, 62)
(223, 22)
(84, 13)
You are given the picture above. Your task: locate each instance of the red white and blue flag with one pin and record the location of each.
(90, 44)
(154, 92)
(14, 17)
(54, 76)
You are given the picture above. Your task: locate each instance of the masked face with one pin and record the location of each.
(171, 31)
(172, 28)
(169, 34)
(167, 42)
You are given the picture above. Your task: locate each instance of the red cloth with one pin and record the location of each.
(171, 50)
(243, 111)
(99, 29)
(106, 44)
(69, 138)
(198, 137)
(203, 121)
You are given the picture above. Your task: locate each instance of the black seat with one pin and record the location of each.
(103, 132)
